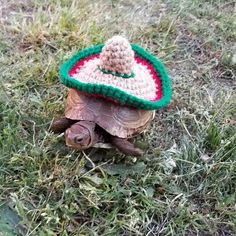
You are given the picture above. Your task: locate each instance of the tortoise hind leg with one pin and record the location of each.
(126, 147)
(60, 125)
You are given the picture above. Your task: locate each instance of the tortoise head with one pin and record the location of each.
(80, 135)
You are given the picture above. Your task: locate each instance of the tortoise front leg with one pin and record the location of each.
(126, 147)
(60, 125)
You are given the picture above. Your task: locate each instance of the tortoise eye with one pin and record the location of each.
(78, 139)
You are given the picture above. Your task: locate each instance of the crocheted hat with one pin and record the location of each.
(119, 71)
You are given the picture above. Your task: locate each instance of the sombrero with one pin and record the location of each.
(119, 71)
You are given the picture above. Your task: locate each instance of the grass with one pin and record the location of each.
(184, 184)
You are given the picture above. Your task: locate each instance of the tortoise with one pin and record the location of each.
(95, 122)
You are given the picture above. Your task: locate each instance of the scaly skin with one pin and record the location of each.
(60, 125)
(126, 147)
(82, 135)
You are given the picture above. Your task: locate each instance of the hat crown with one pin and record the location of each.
(117, 56)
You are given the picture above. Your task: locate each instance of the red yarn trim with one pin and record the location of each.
(155, 77)
(139, 60)
(81, 63)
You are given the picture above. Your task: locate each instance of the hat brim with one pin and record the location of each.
(157, 70)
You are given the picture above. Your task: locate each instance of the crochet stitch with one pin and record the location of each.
(131, 75)
(117, 56)
(127, 74)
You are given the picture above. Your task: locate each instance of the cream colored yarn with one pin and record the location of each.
(141, 86)
(117, 56)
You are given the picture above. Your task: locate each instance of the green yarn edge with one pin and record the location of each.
(115, 93)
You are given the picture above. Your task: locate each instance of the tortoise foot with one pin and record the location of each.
(126, 147)
(60, 125)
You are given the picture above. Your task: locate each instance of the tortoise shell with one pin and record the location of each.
(120, 121)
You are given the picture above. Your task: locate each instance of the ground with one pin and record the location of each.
(184, 184)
